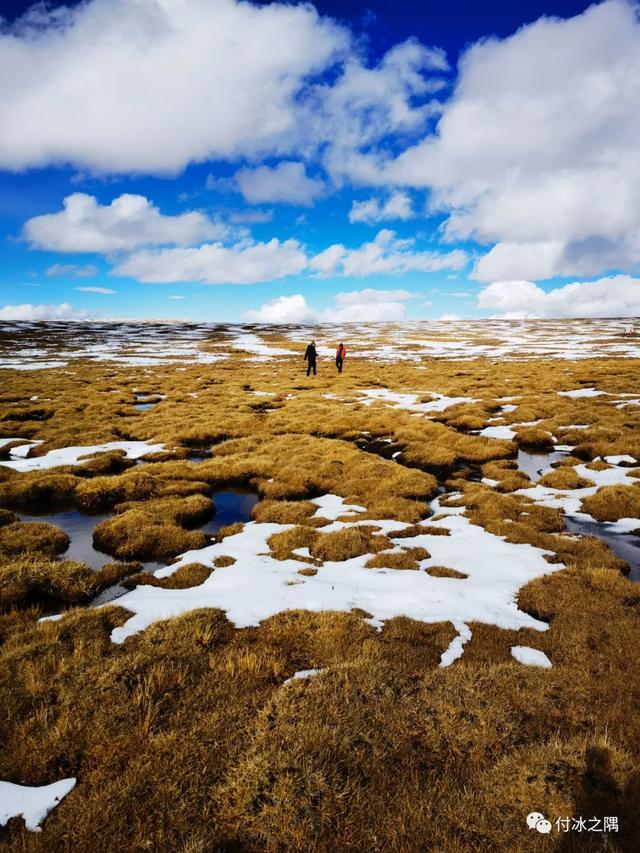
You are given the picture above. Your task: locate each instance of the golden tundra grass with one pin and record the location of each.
(186, 737)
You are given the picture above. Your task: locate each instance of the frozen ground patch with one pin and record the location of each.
(32, 803)
(570, 500)
(395, 400)
(255, 346)
(581, 392)
(258, 586)
(78, 455)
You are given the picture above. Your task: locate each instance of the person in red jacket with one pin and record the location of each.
(341, 354)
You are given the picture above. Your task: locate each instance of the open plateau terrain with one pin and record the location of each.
(247, 609)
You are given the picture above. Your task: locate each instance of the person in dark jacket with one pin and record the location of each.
(310, 357)
(341, 354)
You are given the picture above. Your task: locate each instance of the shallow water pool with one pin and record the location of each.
(624, 545)
(231, 506)
(535, 465)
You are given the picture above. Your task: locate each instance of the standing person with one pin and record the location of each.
(341, 354)
(310, 357)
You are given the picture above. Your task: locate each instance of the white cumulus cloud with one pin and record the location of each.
(246, 262)
(284, 309)
(615, 296)
(152, 85)
(374, 210)
(85, 225)
(538, 150)
(385, 255)
(287, 183)
(367, 305)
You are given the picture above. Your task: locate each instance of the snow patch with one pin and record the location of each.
(258, 586)
(530, 657)
(32, 803)
(78, 455)
(409, 401)
(303, 674)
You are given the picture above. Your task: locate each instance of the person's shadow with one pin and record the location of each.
(600, 796)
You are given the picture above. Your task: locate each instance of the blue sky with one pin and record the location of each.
(223, 161)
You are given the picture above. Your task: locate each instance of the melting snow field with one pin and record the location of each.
(570, 500)
(258, 586)
(410, 401)
(153, 343)
(32, 803)
(73, 455)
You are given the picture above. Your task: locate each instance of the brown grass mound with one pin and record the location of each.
(19, 537)
(188, 511)
(7, 517)
(344, 544)
(564, 478)
(139, 535)
(533, 438)
(29, 580)
(36, 489)
(598, 465)
(187, 576)
(611, 503)
(282, 544)
(229, 530)
(406, 559)
(283, 512)
(444, 572)
(419, 530)
(102, 493)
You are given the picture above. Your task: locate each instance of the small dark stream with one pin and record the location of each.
(79, 528)
(231, 506)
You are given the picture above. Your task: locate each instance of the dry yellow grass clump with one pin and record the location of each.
(152, 529)
(30, 580)
(189, 736)
(564, 478)
(613, 502)
(19, 537)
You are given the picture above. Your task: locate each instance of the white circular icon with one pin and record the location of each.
(544, 826)
(533, 818)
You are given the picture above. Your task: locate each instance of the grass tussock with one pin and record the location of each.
(20, 537)
(564, 478)
(445, 572)
(140, 535)
(408, 558)
(344, 544)
(284, 512)
(193, 574)
(418, 530)
(27, 580)
(611, 503)
(532, 438)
